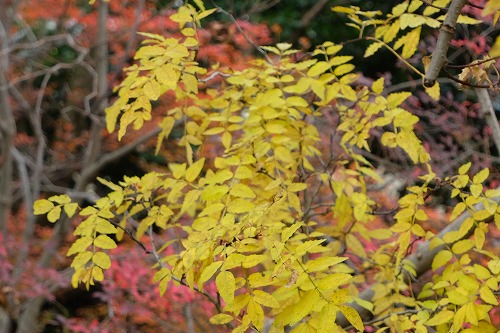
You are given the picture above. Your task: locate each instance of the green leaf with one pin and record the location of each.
(42, 206)
(104, 242)
(102, 260)
(226, 286)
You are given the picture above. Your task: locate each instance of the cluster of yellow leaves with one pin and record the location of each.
(242, 222)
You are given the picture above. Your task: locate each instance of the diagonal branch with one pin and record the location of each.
(489, 115)
(421, 259)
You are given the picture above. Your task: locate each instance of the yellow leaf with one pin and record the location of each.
(318, 68)
(348, 92)
(481, 176)
(239, 206)
(265, 299)
(395, 99)
(399, 9)
(434, 91)
(221, 319)
(476, 190)
(81, 260)
(209, 272)
(253, 260)
(243, 172)
(226, 286)
(284, 155)
(462, 246)
(226, 139)
(442, 258)
(374, 47)
(276, 127)
(411, 44)
(352, 316)
(104, 242)
(440, 318)
(392, 32)
(194, 170)
(479, 238)
(481, 215)
(463, 19)
(289, 231)
(54, 214)
(152, 90)
(105, 227)
(102, 260)
(302, 308)
(411, 20)
(80, 245)
(214, 130)
(178, 170)
(323, 263)
(242, 191)
(42, 206)
(190, 200)
(296, 187)
(255, 314)
(487, 295)
(70, 209)
(297, 101)
(166, 125)
(211, 209)
(464, 168)
(378, 86)
(459, 208)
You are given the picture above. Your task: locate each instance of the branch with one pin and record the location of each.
(7, 126)
(489, 115)
(312, 12)
(421, 259)
(446, 33)
(248, 39)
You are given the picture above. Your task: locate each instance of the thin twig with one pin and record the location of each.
(248, 39)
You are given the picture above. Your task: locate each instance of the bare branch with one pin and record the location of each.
(489, 114)
(248, 39)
